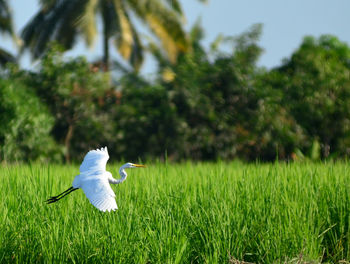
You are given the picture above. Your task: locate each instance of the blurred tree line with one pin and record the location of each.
(207, 105)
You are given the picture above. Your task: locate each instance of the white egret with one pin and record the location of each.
(94, 180)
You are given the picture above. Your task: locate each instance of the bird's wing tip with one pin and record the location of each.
(103, 149)
(99, 149)
(109, 210)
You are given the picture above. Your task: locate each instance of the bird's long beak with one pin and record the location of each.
(139, 165)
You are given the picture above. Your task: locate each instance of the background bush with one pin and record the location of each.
(25, 125)
(209, 105)
(314, 85)
(72, 91)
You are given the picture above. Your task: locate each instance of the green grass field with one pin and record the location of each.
(182, 213)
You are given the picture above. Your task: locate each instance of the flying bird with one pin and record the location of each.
(95, 180)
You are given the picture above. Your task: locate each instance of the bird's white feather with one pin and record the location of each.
(93, 179)
(94, 162)
(99, 193)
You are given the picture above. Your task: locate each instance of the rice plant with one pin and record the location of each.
(180, 213)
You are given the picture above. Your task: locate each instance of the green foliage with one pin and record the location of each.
(148, 127)
(211, 95)
(183, 213)
(25, 125)
(72, 91)
(314, 85)
(223, 104)
(216, 105)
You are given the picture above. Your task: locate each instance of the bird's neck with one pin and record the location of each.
(123, 175)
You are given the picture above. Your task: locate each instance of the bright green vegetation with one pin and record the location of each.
(199, 213)
(207, 106)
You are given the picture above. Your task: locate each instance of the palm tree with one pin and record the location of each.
(64, 20)
(6, 28)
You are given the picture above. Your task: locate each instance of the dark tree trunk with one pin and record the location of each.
(67, 141)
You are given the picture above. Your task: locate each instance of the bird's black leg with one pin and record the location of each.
(61, 195)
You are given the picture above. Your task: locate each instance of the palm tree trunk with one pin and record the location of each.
(105, 48)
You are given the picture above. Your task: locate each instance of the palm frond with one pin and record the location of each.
(6, 57)
(136, 58)
(63, 20)
(56, 24)
(168, 43)
(161, 59)
(164, 23)
(30, 31)
(47, 4)
(124, 38)
(176, 6)
(87, 22)
(46, 31)
(67, 28)
(6, 24)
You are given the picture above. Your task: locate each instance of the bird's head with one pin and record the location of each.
(133, 165)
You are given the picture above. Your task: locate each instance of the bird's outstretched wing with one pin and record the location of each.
(100, 193)
(95, 161)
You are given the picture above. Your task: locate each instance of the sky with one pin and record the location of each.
(285, 23)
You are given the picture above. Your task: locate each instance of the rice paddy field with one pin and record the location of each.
(180, 213)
